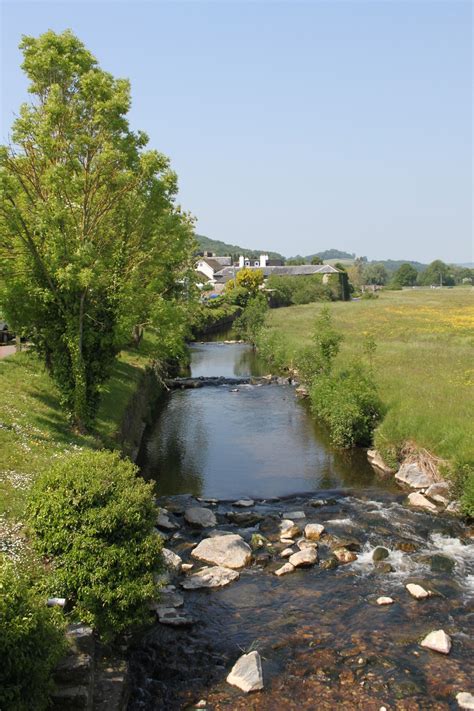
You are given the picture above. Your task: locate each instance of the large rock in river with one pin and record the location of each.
(413, 476)
(304, 558)
(421, 502)
(214, 577)
(247, 673)
(230, 551)
(199, 516)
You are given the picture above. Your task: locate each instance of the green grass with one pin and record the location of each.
(33, 428)
(423, 365)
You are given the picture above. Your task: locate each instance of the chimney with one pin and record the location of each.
(241, 261)
(263, 260)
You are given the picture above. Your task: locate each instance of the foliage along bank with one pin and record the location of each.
(93, 247)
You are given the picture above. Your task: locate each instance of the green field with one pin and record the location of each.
(423, 365)
(34, 430)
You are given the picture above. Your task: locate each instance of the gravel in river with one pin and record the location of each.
(323, 640)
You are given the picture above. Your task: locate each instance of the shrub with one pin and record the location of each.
(309, 363)
(348, 403)
(250, 323)
(95, 517)
(31, 640)
(272, 347)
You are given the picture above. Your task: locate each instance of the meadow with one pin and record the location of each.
(423, 364)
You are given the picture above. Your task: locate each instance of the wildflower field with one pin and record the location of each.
(423, 363)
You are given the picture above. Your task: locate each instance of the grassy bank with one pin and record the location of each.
(423, 363)
(34, 430)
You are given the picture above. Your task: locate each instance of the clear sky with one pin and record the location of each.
(293, 126)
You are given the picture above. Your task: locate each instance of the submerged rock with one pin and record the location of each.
(199, 516)
(440, 563)
(294, 514)
(247, 673)
(230, 551)
(313, 531)
(438, 641)
(382, 567)
(304, 558)
(329, 564)
(380, 553)
(214, 577)
(244, 518)
(413, 476)
(243, 503)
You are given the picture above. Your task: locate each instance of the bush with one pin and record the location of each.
(95, 517)
(272, 347)
(348, 403)
(251, 321)
(31, 641)
(309, 363)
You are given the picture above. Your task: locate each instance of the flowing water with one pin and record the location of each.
(324, 642)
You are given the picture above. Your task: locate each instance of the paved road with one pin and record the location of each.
(6, 351)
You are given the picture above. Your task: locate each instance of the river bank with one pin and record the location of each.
(422, 365)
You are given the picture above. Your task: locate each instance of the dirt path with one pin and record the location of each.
(7, 351)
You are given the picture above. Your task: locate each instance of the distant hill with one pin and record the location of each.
(222, 249)
(329, 255)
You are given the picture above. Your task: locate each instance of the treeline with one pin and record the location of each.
(435, 274)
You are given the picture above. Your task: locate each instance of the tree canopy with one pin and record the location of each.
(91, 241)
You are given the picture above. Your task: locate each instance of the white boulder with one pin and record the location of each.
(421, 502)
(438, 641)
(230, 551)
(247, 673)
(465, 700)
(313, 531)
(417, 591)
(383, 600)
(304, 558)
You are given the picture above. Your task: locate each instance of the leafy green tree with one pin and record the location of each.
(316, 260)
(248, 279)
(405, 275)
(375, 274)
(436, 274)
(326, 339)
(87, 217)
(251, 321)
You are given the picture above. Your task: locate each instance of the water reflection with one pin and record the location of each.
(260, 441)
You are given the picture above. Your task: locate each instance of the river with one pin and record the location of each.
(324, 642)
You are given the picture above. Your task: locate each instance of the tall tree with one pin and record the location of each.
(436, 274)
(405, 275)
(84, 218)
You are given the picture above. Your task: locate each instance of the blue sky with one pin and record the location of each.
(293, 126)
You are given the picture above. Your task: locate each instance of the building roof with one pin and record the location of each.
(213, 263)
(300, 270)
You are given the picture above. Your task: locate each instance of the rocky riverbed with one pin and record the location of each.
(339, 628)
